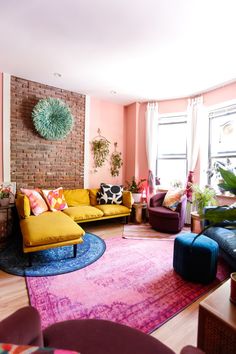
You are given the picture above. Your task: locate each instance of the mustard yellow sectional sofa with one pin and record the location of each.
(60, 228)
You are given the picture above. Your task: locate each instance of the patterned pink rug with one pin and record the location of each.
(132, 283)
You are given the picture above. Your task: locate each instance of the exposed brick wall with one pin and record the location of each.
(36, 162)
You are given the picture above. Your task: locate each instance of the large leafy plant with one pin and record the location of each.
(224, 214)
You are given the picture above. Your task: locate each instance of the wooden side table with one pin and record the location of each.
(6, 223)
(196, 226)
(140, 211)
(217, 322)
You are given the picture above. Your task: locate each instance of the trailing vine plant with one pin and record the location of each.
(116, 162)
(100, 150)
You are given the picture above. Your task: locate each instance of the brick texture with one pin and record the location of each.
(36, 162)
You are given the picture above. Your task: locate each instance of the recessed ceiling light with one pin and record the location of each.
(113, 92)
(57, 74)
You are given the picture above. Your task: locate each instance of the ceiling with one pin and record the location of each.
(121, 50)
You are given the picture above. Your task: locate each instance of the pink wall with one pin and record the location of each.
(1, 118)
(136, 160)
(130, 140)
(222, 94)
(109, 117)
(173, 106)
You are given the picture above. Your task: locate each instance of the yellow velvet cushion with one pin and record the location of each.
(49, 228)
(127, 199)
(83, 212)
(76, 197)
(93, 196)
(113, 209)
(23, 205)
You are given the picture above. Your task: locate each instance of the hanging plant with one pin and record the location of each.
(116, 162)
(100, 150)
(52, 118)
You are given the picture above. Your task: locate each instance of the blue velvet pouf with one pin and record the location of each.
(196, 261)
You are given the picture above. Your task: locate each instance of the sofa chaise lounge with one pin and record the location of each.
(60, 228)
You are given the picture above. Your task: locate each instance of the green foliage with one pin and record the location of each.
(229, 183)
(135, 186)
(116, 163)
(100, 150)
(220, 214)
(203, 197)
(52, 119)
(4, 193)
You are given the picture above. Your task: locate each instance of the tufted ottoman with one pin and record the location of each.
(195, 261)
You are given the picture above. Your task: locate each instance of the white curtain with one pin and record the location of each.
(151, 117)
(194, 127)
(194, 114)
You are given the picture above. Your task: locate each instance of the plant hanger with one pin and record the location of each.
(99, 136)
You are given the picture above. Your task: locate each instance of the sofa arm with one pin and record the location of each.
(127, 199)
(22, 327)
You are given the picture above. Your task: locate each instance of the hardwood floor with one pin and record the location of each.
(176, 333)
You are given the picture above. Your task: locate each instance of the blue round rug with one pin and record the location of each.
(54, 261)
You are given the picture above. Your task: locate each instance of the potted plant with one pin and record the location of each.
(136, 188)
(100, 150)
(203, 197)
(4, 196)
(220, 214)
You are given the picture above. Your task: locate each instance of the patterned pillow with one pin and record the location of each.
(110, 194)
(37, 203)
(55, 199)
(173, 198)
(8, 348)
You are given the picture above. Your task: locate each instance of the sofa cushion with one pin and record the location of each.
(37, 203)
(23, 205)
(113, 209)
(76, 197)
(83, 212)
(226, 239)
(93, 196)
(49, 228)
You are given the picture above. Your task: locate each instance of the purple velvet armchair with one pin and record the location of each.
(164, 219)
(88, 336)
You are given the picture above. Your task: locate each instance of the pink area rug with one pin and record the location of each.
(146, 232)
(132, 283)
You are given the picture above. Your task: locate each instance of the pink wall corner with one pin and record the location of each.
(221, 94)
(1, 123)
(109, 117)
(131, 139)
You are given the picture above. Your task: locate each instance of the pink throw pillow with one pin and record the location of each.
(37, 203)
(55, 199)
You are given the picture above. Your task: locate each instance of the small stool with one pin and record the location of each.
(196, 261)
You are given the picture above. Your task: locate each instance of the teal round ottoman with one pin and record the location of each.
(195, 261)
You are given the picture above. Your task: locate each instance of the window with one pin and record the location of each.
(222, 140)
(172, 150)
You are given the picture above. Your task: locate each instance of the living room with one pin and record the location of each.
(107, 107)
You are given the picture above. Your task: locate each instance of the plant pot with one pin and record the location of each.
(4, 201)
(137, 197)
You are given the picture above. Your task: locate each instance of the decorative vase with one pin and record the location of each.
(4, 201)
(137, 197)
